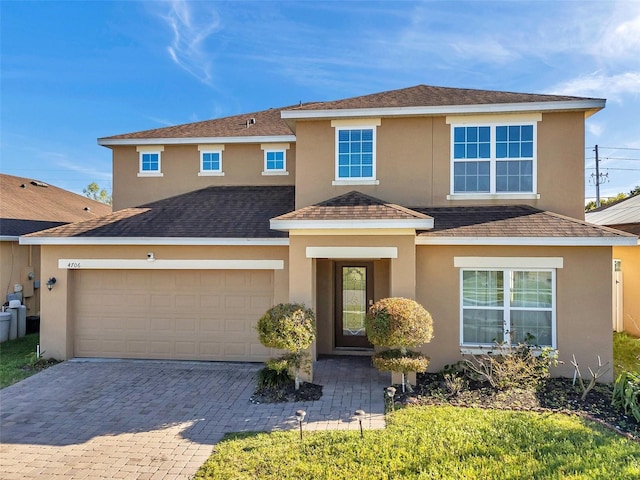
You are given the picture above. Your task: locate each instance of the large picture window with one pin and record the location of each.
(507, 305)
(355, 162)
(493, 159)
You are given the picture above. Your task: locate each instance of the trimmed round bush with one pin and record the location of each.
(398, 322)
(397, 361)
(287, 326)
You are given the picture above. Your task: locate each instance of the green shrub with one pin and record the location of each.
(508, 367)
(626, 393)
(398, 361)
(398, 323)
(272, 378)
(287, 326)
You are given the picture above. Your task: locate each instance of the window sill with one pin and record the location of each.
(492, 350)
(355, 181)
(494, 196)
(211, 174)
(150, 174)
(274, 173)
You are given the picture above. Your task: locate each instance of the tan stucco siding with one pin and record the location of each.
(583, 296)
(242, 164)
(414, 163)
(15, 262)
(57, 322)
(630, 257)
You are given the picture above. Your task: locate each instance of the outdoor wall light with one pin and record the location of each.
(300, 414)
(51, 282)
(360, 414)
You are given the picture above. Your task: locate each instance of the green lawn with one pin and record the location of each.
(14, 355)
(626, 353)
(435, 443)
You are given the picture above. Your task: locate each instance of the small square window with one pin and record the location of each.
(150, 163)
(275, 162)
(211, 163)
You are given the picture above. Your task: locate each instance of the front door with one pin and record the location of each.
(354, 294)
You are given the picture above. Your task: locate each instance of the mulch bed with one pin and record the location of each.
(40, 364)
(554, 394)
(288, 393)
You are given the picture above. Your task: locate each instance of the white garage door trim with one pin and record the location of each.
(153, 264)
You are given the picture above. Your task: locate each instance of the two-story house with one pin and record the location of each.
(468, 201)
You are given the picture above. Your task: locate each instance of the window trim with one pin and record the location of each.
(351, 124)
(493, 193)
(473, 347)
(204, 149)
(274, 148)
(146, 150)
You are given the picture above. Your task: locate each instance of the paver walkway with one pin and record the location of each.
(160, 420)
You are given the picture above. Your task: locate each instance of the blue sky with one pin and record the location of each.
(75, 71)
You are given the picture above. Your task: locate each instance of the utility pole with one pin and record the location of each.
(598, 178)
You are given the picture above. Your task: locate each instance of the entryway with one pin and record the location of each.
(353, 296)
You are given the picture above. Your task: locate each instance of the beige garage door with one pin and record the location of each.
(170, 314)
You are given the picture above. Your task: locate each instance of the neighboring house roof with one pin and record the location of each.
(275, 123)
(518, 221)
(28, 205)
(624, 215)
(212, 212)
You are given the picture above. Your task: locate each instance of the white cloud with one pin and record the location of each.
(601, 85)
(594, 129)
(190, 32)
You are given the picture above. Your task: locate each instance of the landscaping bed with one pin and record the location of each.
(287, 393)
(553, 394)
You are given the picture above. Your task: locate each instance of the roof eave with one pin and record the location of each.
(530, 241)
(589, 106)
(108, 142)
(287, 225)
(187, 241)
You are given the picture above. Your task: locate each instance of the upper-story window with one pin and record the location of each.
(355, 152)
(275, 159)
(150, 161)
(210, 160)
(497, 158)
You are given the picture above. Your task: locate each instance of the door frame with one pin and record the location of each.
(343, 341)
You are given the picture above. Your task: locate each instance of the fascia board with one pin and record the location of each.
(9, 238)
(106, 142)
(530, 241)
(286, 225)
(153, 241)
(447, 109)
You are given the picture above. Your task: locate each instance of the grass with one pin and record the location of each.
(14, 356)
(434, 442)
(626, 353)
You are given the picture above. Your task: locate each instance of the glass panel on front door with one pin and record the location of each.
(354, 300)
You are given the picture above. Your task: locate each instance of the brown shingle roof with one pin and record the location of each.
(353, 206)
(213, 212)
(429, 96)
(267, 123)
(509, 221)
(28, 205)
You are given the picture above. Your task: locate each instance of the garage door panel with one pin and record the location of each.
(199, 315)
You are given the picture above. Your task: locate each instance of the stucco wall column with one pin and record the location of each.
(403, 268)
(56, 331)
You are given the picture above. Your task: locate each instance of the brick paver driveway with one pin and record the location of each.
(152, 420)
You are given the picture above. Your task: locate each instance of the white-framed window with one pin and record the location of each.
(210, 160)
(150, 161)
(494, 158)
(355, 152)
(275, 159)
(510, 305)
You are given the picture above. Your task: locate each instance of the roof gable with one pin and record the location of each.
(626, 211)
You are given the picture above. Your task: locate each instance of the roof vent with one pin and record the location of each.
(38, 184)
(251, 121)
(86, 209)
(24, 185)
